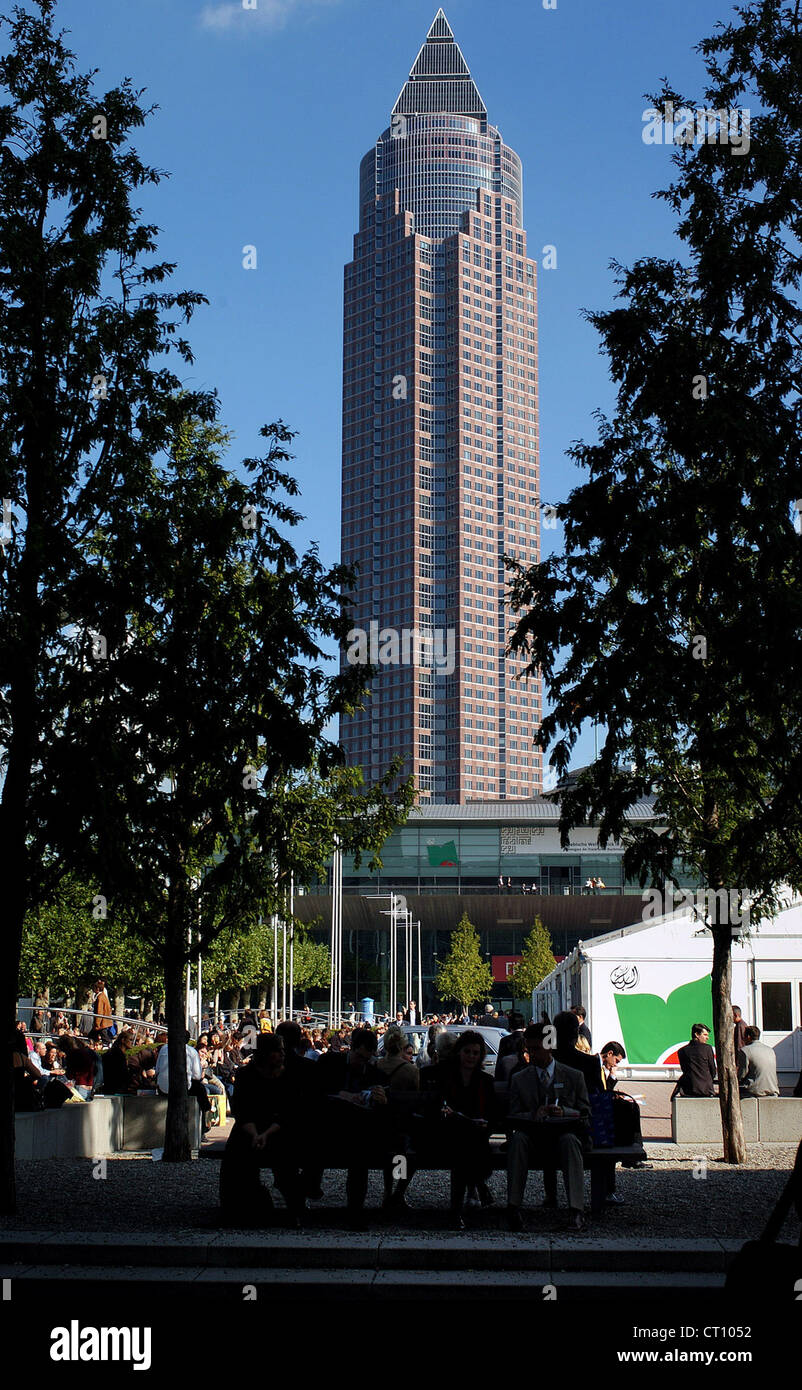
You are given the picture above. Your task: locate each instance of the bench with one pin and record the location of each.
(432, 1157)
(767, 1119)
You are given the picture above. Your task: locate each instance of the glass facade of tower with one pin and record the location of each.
(440, 441)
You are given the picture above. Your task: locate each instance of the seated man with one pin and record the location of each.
(534, 1096)
(757, 1066)
(265, 1111)
(626, 1111)
(698, 1065)
(194, 1075)
(355, 1119)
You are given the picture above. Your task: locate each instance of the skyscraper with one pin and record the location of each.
(440, 440)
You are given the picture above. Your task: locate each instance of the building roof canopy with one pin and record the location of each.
(440, 81)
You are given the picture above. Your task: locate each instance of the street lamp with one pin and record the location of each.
(336, 990)
(398, 904)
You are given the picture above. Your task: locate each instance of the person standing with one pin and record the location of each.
(102, 1006)
(86, 1019)
(738, 1030)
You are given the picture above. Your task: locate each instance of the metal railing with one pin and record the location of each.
(25, 1012)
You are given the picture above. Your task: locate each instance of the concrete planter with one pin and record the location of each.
(105, 1125)
(767, 1120)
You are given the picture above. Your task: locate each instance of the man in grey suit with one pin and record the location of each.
(757, 1067)
(545, 1090)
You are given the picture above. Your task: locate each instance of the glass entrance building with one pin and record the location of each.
(502, 865)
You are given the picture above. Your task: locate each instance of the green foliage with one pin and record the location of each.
(674, 615)
(243, 958)
(87, 400)
(312, 963)
(537, 961)
(464, 975)
(679, 595)
(211, 705)
(162, 675)
(69, 939)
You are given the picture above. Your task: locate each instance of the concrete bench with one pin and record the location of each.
(102, 1126)
(779, 1119)
(73, 1131)
(767, 1119)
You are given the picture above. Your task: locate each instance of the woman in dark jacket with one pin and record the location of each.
(468, 1101)
(117, 1077)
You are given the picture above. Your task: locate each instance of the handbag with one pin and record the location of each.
(768, 1269)
(625, 1119)
(602, 1119)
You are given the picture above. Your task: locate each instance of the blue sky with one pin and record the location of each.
(264, 116)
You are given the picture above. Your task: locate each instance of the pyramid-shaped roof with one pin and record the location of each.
(440, 80)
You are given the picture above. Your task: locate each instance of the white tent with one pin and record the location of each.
(646, 985)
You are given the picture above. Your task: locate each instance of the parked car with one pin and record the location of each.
(417, 1033)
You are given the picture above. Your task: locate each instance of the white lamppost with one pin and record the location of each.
(336, 991)
(292, 941)
(398, 904)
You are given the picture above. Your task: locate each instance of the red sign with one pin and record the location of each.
(502, 967)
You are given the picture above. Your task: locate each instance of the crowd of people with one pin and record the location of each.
(506, 885)
(385, 1098)
(305, 1097)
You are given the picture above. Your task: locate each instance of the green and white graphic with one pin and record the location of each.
(443, 856)
(653, 1028)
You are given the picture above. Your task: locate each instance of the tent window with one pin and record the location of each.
(776, 997)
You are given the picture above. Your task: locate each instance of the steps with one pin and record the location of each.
(300, 1267)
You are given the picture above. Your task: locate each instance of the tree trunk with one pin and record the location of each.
(83, 994)
(262, 997)
(8, 1013)
(729, 1098)
(176, 1137)
(15, 886)
(147, 1009)
(118, 1005)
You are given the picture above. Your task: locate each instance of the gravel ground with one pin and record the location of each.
(140, 1195)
